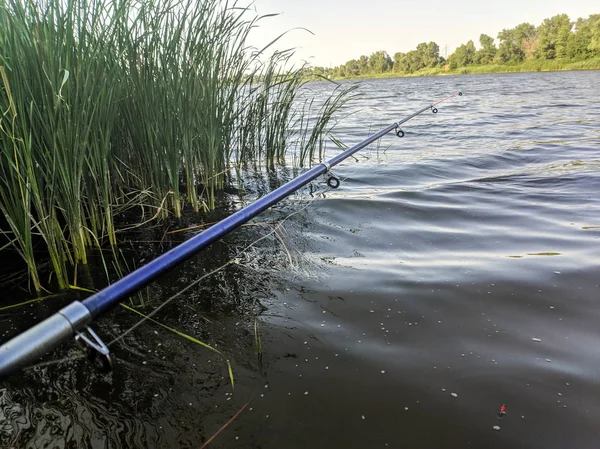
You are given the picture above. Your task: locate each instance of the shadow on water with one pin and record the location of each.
(452, 273)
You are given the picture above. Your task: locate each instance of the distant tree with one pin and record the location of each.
(413, 61)
(594, 45)
(512, 42)
(399, 62)
(579, 40)
(363, 64)
(319, 71)
(553, 36)
(431, 55)
(380, 62)
(352, 68)
(463, 55)
(488, 50)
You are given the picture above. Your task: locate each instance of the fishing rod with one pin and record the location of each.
(74, 319)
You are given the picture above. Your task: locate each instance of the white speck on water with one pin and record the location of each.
(306, 392)
(405, 408)
(443, 389)
(382, 371)
(363, 417)
(454, 395)
(552, 307)
(322, 325)
(496, 427)
(536, 339)
(372, 311)
(560, 394)
(548, 360)
(557, 272)
(567, 384)
(326, 367)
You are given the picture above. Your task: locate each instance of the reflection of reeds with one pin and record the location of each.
(110, 104)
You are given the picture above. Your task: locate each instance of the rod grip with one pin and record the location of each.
(42, 338)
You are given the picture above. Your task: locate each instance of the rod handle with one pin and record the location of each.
(42, 338)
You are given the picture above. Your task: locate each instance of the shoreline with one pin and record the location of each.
(543, 66)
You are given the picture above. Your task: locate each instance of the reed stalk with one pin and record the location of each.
(112, 104)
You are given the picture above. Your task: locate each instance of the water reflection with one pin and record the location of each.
(463, 259)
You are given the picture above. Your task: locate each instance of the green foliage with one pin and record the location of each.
(380, 62)
(463, 56)
(516, 43)
(488, 50)
(553, 36)
(584, 42)
(556, 38)
(107, 105)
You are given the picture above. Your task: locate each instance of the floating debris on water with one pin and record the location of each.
(502, 411)
(454, 395)
(536, 339)
(496, 427)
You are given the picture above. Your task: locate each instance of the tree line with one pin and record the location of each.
(555, 38)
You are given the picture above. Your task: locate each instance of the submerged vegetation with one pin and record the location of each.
(556, 44)
(107, 105)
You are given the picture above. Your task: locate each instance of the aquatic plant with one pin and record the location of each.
(112, 104)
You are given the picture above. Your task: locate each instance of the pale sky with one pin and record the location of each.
(346, 29)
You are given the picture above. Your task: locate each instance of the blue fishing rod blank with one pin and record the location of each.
(73, 320)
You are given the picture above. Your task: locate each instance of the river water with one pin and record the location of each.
(455, 270)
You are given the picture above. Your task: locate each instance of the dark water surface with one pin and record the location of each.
(452, 272)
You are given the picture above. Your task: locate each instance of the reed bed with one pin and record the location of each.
(107, 105)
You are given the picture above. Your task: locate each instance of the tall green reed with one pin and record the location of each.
(111, 104)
